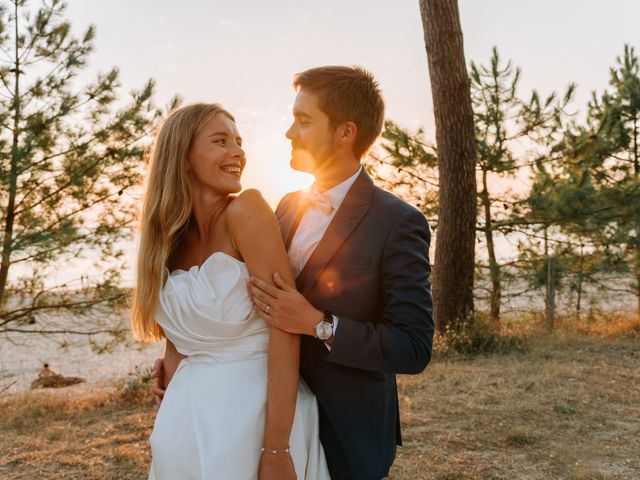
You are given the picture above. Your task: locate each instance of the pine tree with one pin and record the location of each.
(70, 157)
(503, 121)
(607, 149)
(620, 121)
(405, 164)
(567, 212)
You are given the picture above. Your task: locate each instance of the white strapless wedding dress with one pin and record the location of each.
(211, 422)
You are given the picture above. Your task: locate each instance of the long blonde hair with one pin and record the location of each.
(166, 210)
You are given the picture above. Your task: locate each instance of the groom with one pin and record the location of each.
(360, 255)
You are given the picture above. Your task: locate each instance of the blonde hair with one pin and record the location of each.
(166, 210)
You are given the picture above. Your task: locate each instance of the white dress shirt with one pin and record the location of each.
(312, 227)
(314, 224)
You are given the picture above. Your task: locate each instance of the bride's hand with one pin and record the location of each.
(157, 377)
(277, 466)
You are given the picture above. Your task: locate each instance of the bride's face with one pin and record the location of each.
(216, 159)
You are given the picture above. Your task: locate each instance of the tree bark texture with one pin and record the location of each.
(455, 236)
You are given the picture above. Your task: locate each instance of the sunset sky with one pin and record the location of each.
(244, 54)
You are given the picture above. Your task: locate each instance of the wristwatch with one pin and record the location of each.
(324, 329)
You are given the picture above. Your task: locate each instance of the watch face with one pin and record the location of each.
(324, 330)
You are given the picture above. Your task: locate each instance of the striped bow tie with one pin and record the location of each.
(321, 201)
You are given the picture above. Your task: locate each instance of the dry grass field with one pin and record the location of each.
(568, 407)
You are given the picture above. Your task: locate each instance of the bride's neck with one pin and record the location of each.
(205, 213)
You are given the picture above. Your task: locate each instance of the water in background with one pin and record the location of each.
(22, 356)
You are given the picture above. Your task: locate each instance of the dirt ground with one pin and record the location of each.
(566, 408)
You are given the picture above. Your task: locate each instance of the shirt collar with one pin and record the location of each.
(339, 191)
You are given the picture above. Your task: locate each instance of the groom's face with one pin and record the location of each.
(312, 139)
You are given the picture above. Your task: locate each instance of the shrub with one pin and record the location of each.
(138, 383)
(476, 338)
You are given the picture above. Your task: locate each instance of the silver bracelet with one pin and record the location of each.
(270, 450)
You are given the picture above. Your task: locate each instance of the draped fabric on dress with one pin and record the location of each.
(211, 421)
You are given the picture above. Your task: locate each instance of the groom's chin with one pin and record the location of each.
(302, 162)
(297, 167)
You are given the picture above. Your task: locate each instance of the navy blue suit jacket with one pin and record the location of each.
(371, 269)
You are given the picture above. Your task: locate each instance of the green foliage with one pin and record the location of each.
(592, 193)
(70, 159)
(407, 165)
(582, 210)
(615, 125)
(139, 378)
(564, 409)
(477, 338)
(503, 122)
(138, 384)
(538, 267)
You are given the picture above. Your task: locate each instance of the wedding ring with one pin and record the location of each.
(268, 309)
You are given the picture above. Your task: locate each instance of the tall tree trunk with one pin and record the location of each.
(636, 171)
(7, 242)
(455, 240)
(580, 282)
(637, 272)
(636, 159)
(550, 295)
(494, 268)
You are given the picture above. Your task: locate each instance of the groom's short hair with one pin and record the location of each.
(347, 94)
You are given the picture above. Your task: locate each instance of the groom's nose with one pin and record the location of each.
(290, 134)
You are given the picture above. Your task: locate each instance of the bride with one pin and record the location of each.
(234, 407)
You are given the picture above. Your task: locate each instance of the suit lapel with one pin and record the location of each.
(355, 205)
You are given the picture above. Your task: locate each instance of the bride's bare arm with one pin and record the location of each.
(255, 233)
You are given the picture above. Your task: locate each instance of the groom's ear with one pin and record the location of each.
(347, 133)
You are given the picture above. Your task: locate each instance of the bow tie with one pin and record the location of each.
(321, 201)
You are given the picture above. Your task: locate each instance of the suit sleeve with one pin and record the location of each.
(402, 342)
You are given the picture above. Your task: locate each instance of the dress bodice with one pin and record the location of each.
(207, 311)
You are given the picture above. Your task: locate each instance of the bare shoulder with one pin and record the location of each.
(249, 206)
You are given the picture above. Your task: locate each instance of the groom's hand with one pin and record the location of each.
(283, 307)
(157, 377)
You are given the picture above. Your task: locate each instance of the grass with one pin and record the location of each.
(566, 407)
(75, 434)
